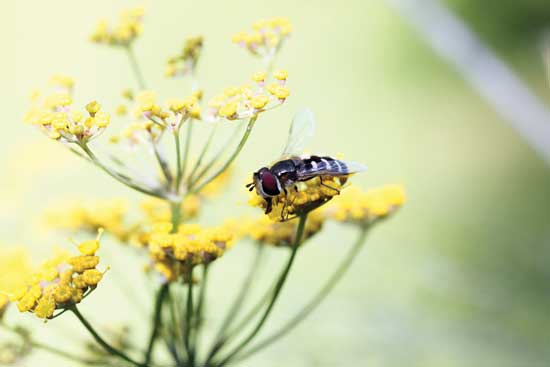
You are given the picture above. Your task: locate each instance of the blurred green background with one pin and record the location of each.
(459, 277)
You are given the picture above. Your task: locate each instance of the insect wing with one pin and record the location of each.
(326, 166)
(301, 132)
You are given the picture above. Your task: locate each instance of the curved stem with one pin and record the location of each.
(315, 301)
(276, 292)
(222, 337)
(215, 158)
(117, 176)
(135, 67)
(187, 146)
(162, 164)
(233, 156)
(110, 349)
(157, 322)
(202, 154)
(179, 173)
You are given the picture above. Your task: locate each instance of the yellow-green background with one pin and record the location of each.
(460, 277)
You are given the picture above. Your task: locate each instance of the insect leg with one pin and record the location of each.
(269, 206)
(328, 186)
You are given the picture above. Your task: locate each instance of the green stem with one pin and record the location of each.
(276, 293)
(222, 337)
(200, 311)
(176, 215)
(66, 355)
(187, 146)
(226, 165)
(189, 317)
(162, 164)
(214, 160)
(157, 322)
(179, 174)
(135, 67)
(118, 176)
(315, 301)
(110, 349)
(202, 155)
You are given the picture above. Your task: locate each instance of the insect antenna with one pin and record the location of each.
(250, 186)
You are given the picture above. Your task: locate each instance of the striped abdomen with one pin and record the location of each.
(320, 166)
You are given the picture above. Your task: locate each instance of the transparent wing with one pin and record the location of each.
(354, 167)
(301, 132)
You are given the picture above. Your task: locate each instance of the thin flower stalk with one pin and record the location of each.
(232, 158)
(276, 292)
(315, 301)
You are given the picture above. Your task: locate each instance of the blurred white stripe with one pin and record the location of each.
(452, 39)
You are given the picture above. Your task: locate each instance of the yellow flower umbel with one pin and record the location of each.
(128, 28)
(249, 100)
(172, 254)
(57, 117)
(282, 234)
(60, 282)
(304, 197)
(363, 207)
(266, 38)
(15, 267)
(90, 217)
(186, 62)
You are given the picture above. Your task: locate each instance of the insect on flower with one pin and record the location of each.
(293, 168)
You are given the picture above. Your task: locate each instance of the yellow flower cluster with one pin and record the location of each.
(186, 61)
(152, 119)
(280, 234)
(128, 28)
(246, 101)
(59, 283)
(304, 197)
(357, 206)
(266, 37)
(173, 254)
(91, 216)
(15, 265)
(55, 115)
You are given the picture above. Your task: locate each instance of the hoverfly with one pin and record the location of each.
(292, 167)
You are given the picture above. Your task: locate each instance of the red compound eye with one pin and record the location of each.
(269, 183)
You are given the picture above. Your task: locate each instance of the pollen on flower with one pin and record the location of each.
(266, 38)
(186, 61)
(357, 206)
(173, 253)
(58, 119)
(246, 101)
(57, 283)
(281, 234)
(302, 198)
(124, 33)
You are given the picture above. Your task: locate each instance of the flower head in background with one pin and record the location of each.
(59, 283)
(123, 33)
(266, 38)
(15, 265)
(60, 120)
(363, 207)
(249, 100)
(186, 61)
(90, 216)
